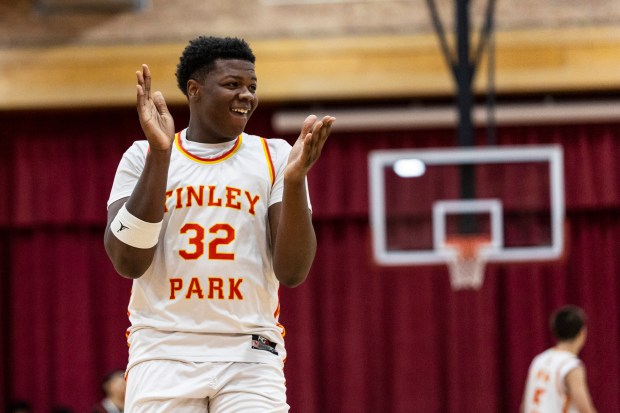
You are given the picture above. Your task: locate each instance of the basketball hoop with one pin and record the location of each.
(467, 260)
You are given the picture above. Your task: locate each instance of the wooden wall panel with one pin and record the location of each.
(542, 61)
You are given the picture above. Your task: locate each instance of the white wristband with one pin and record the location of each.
(133, 231)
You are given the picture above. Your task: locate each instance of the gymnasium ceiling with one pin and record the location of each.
(44, 22)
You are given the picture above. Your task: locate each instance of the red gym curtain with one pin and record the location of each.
(360, 337)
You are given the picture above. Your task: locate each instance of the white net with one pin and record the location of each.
(467, 261)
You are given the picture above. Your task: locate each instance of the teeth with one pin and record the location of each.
(244, 111)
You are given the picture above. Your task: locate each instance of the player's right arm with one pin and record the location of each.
(578, 390)
(147, 201)
(129, 262)
(523, 404)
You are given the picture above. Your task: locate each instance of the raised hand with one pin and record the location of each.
(155, 119)
(307, 149)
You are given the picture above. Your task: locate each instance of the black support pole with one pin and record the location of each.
(463, 68)
(464, 76)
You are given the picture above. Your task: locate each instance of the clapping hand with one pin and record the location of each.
(155, 119)
(307, 149)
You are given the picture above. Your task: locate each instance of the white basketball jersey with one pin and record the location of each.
(545, 388)
(210, 293)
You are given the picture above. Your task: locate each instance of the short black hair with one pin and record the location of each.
(20, 406)
(199, 57)
(567, 321)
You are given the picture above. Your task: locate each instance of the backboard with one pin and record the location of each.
(420, 199)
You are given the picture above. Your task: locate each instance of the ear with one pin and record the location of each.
(193, 89)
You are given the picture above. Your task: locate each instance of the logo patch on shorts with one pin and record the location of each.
(263, 343)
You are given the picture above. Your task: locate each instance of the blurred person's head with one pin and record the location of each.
(113, 386)
(568, 325)
(19, 406)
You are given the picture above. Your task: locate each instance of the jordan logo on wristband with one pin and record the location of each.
(122, 227)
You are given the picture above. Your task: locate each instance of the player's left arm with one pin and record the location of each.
(292, 233)
(578, 390)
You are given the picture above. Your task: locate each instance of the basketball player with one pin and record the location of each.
(556, 380)
(209, 221)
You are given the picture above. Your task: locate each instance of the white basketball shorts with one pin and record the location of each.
(159, 386)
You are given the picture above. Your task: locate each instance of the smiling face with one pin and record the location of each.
(221, 105)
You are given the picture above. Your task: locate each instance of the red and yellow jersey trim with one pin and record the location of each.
(272, 170)
(223, 157)
(276, 314)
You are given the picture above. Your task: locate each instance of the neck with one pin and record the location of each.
(570, 346)
(118, 401)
